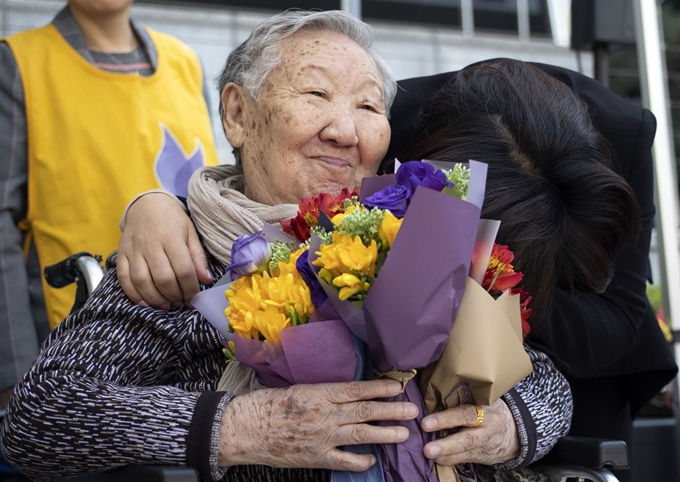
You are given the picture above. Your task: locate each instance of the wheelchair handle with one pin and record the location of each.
(81, 265)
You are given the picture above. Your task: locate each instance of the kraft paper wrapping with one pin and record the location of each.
(484, 351)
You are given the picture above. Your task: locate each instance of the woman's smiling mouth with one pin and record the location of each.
(333, 161)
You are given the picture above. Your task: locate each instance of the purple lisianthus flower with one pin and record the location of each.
(414, 174)
(249, 254)
(317, 293)
(394, 198)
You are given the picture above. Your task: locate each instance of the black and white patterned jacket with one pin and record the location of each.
(117, 384)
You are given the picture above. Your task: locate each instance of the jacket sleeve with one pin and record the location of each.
(542, 406)
(18, 337)
(117, 384)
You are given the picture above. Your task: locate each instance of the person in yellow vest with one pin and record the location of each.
(93, 109)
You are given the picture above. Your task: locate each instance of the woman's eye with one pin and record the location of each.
(368, 107)
(317, 93)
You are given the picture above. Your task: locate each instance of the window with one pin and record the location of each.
(499, 16)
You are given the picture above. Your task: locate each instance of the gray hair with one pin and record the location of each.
(249, 64)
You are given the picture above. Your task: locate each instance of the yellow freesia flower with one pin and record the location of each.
(337, 219)
(357, 257)
(244, 299)
(328, 257)
(260, 306)
(328, 276)
(270, 322)
(389, 227)
(349, 285)
(347, 255)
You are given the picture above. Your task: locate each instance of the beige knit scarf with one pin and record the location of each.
(222, 213)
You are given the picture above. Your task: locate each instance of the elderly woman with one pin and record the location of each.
(304, 103)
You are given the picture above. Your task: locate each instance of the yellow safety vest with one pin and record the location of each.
(98, 138)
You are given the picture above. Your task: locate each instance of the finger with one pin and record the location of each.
(198, 257)
(463, 446)
(202, 274)
(144, 284)
(183, 273)
(362, 433)
(355, 391)
(164, 276)
(460, 416)
(341, 460)
(123, 274)
(371, 411)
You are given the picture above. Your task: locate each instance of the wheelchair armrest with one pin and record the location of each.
(565, 473)
(592, 453)
(145, 473)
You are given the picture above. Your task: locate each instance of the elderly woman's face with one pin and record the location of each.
(320, 124)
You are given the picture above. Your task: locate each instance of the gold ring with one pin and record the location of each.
(480, 416)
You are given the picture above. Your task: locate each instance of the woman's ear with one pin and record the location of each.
(235, 102)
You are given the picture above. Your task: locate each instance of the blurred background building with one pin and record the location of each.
(417, 37)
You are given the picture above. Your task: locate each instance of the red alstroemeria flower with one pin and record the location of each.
(501, 276)
(506, 281)
(309, 209)
(524, 309)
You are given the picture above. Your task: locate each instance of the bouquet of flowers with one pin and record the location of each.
(274, 289)
(386, 270)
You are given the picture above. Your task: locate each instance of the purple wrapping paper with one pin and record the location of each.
(410, 309)
(371, 185)
(311, 353)
(405, 462)
(320, 351)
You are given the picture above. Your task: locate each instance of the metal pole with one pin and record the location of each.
(523, 20)
(560, 21)
(351, 6)
(653, 76)
(467, 18)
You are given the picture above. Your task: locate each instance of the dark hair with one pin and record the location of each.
(564, 211)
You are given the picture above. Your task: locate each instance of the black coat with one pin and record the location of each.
(613, 336)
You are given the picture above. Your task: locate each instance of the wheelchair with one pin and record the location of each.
(572, 459)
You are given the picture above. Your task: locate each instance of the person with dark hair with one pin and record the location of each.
(563, 210)
(608, 344)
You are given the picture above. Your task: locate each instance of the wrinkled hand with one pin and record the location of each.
(493, 442)
(302, 426)
(160, 259)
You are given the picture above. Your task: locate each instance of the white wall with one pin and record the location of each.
(213, 32)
